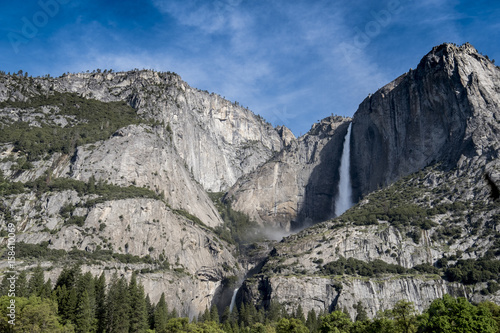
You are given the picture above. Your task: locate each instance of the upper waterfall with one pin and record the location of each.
(344, 195)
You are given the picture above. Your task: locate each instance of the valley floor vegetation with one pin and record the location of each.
(85, 303)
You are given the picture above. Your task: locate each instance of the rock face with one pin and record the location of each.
(188, 142)
(137, 200)
(135, 157)
(445, 109)
(299, 185)
(321, 293)
(444, 114)
(218, 140)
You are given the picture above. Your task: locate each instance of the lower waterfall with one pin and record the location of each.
(233, 300)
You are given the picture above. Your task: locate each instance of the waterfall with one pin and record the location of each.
(344, 195)
(233, 300)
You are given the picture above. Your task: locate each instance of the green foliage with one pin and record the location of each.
(189, 216)
(92, 121)
(138, 310)
(354, 266)
(472, 271)
(392, 209)
(41, 251)
(291, 325)
(161, 315)
(33, 314)
(10, 188)
(404, 316)
(36, 284)
(118, 305)
(361, 314)
(457, 315)
(80, 303)
(337, 322)
(238, 228)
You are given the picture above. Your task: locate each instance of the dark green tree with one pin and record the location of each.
(361, 312)
(299, 314)
(36, 282)
(66, 303)
(69, 277)
(86, 283)
(118, 306)
(214, 314)
(312, 321)
(100, 302)
(226, 315)
(150, 308)
(5, 285)
(46, 289)
(22, 285)
(138, 310)
(161, 315)
(85, 321)
(274, 311)
(205, 316)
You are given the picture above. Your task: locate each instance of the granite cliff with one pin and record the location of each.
(135, 198)
(425, 165)
(117, 170)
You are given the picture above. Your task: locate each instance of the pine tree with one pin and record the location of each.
(138, 311)
(66, 303)
(69, 277)
(274, 311)
(100, 302)
(151, 313)
(86, 283)
(5, 285)
(299, 314)
(243, 316)
(36, 282)
(46, 291)
(225, 315)
(118, 306)
(205, 316)
(214, 314)
(84, 318)
(22, 285)
(161, 315)
(312, 321)
(226, 327)
(251, 314)
(361, 312)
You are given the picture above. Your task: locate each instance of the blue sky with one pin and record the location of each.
(291, 61)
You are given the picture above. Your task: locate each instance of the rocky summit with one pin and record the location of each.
(139, 172)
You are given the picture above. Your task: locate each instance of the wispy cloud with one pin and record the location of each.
(293, 62)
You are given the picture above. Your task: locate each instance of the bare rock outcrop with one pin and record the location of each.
(448, 107)
(298, 186)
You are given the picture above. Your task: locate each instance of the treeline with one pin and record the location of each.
(85, 303)
(82, 303)
(45, 184)
(93, 120)
(102, 189)
(469, 271)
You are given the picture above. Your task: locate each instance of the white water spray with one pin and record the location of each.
(233, 300)
(344, 196)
